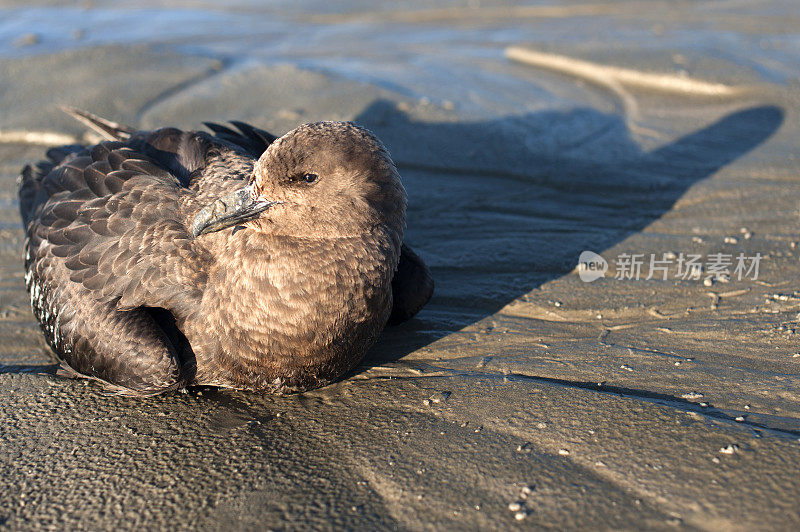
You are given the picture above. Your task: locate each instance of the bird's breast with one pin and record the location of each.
(293, 312)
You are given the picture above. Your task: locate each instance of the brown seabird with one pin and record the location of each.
(160, 259)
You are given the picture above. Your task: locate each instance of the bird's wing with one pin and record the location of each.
(184, 152)
(114, 218)
(250, 138)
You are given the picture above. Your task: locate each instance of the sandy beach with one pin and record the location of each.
(522, 396)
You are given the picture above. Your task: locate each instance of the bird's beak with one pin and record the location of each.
(235, 208)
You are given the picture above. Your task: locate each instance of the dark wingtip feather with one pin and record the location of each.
(254, 132)
(250, 138)
(219, 129)
(106, 128)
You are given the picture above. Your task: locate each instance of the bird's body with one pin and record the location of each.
(169, 258)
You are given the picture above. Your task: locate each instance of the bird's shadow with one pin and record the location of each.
(498, 208)
(34, 369)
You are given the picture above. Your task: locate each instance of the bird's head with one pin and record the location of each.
(319, 180)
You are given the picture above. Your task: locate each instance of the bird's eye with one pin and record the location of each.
(307, 178)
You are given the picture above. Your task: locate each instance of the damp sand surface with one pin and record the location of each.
(521, 396)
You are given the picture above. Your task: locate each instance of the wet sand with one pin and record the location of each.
(521, 396)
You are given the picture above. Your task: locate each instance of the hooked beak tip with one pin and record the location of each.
(233, 209)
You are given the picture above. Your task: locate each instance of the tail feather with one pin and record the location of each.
(106, 128)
